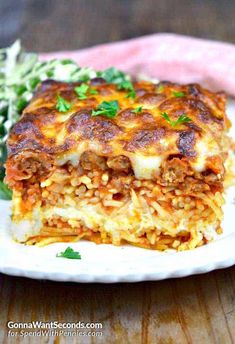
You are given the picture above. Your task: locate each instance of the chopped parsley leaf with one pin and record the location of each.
(122, 80)
(178, 94)
(182, 119)
(160, 88)
(62, 104)
(93, 91)
(127, 86)
(138, 109)
(113, 76)
(131, 94)
(82, 90)
(69, 253)
(108, 109)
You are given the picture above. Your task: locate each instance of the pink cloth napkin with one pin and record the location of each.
(165, 57)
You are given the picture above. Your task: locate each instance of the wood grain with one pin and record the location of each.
(196, 309)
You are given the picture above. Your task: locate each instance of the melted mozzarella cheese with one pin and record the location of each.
(73, 156)
(145, 166)
(205, 148)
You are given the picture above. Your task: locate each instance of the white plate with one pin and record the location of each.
(107, 263)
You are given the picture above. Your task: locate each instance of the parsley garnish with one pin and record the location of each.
(127, 86)
(178, 94)
(5, 193)
(138, 109)
(82, 90)
(108, 109)
(69, 253)
(182, 119)
(113, 75)
(93, 91)
(62, 104)
(122, 80)
(160, 88)
(131, 94)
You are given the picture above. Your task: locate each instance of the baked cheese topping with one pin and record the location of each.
(147, 129)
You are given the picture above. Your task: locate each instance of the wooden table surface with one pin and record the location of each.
(196, 309)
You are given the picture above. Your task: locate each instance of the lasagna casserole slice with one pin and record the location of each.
(111, 167)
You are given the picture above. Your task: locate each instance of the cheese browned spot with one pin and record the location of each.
(186, 143)
(145, 138)
(98, 128)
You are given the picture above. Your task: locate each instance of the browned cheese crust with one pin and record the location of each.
(43, 134)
